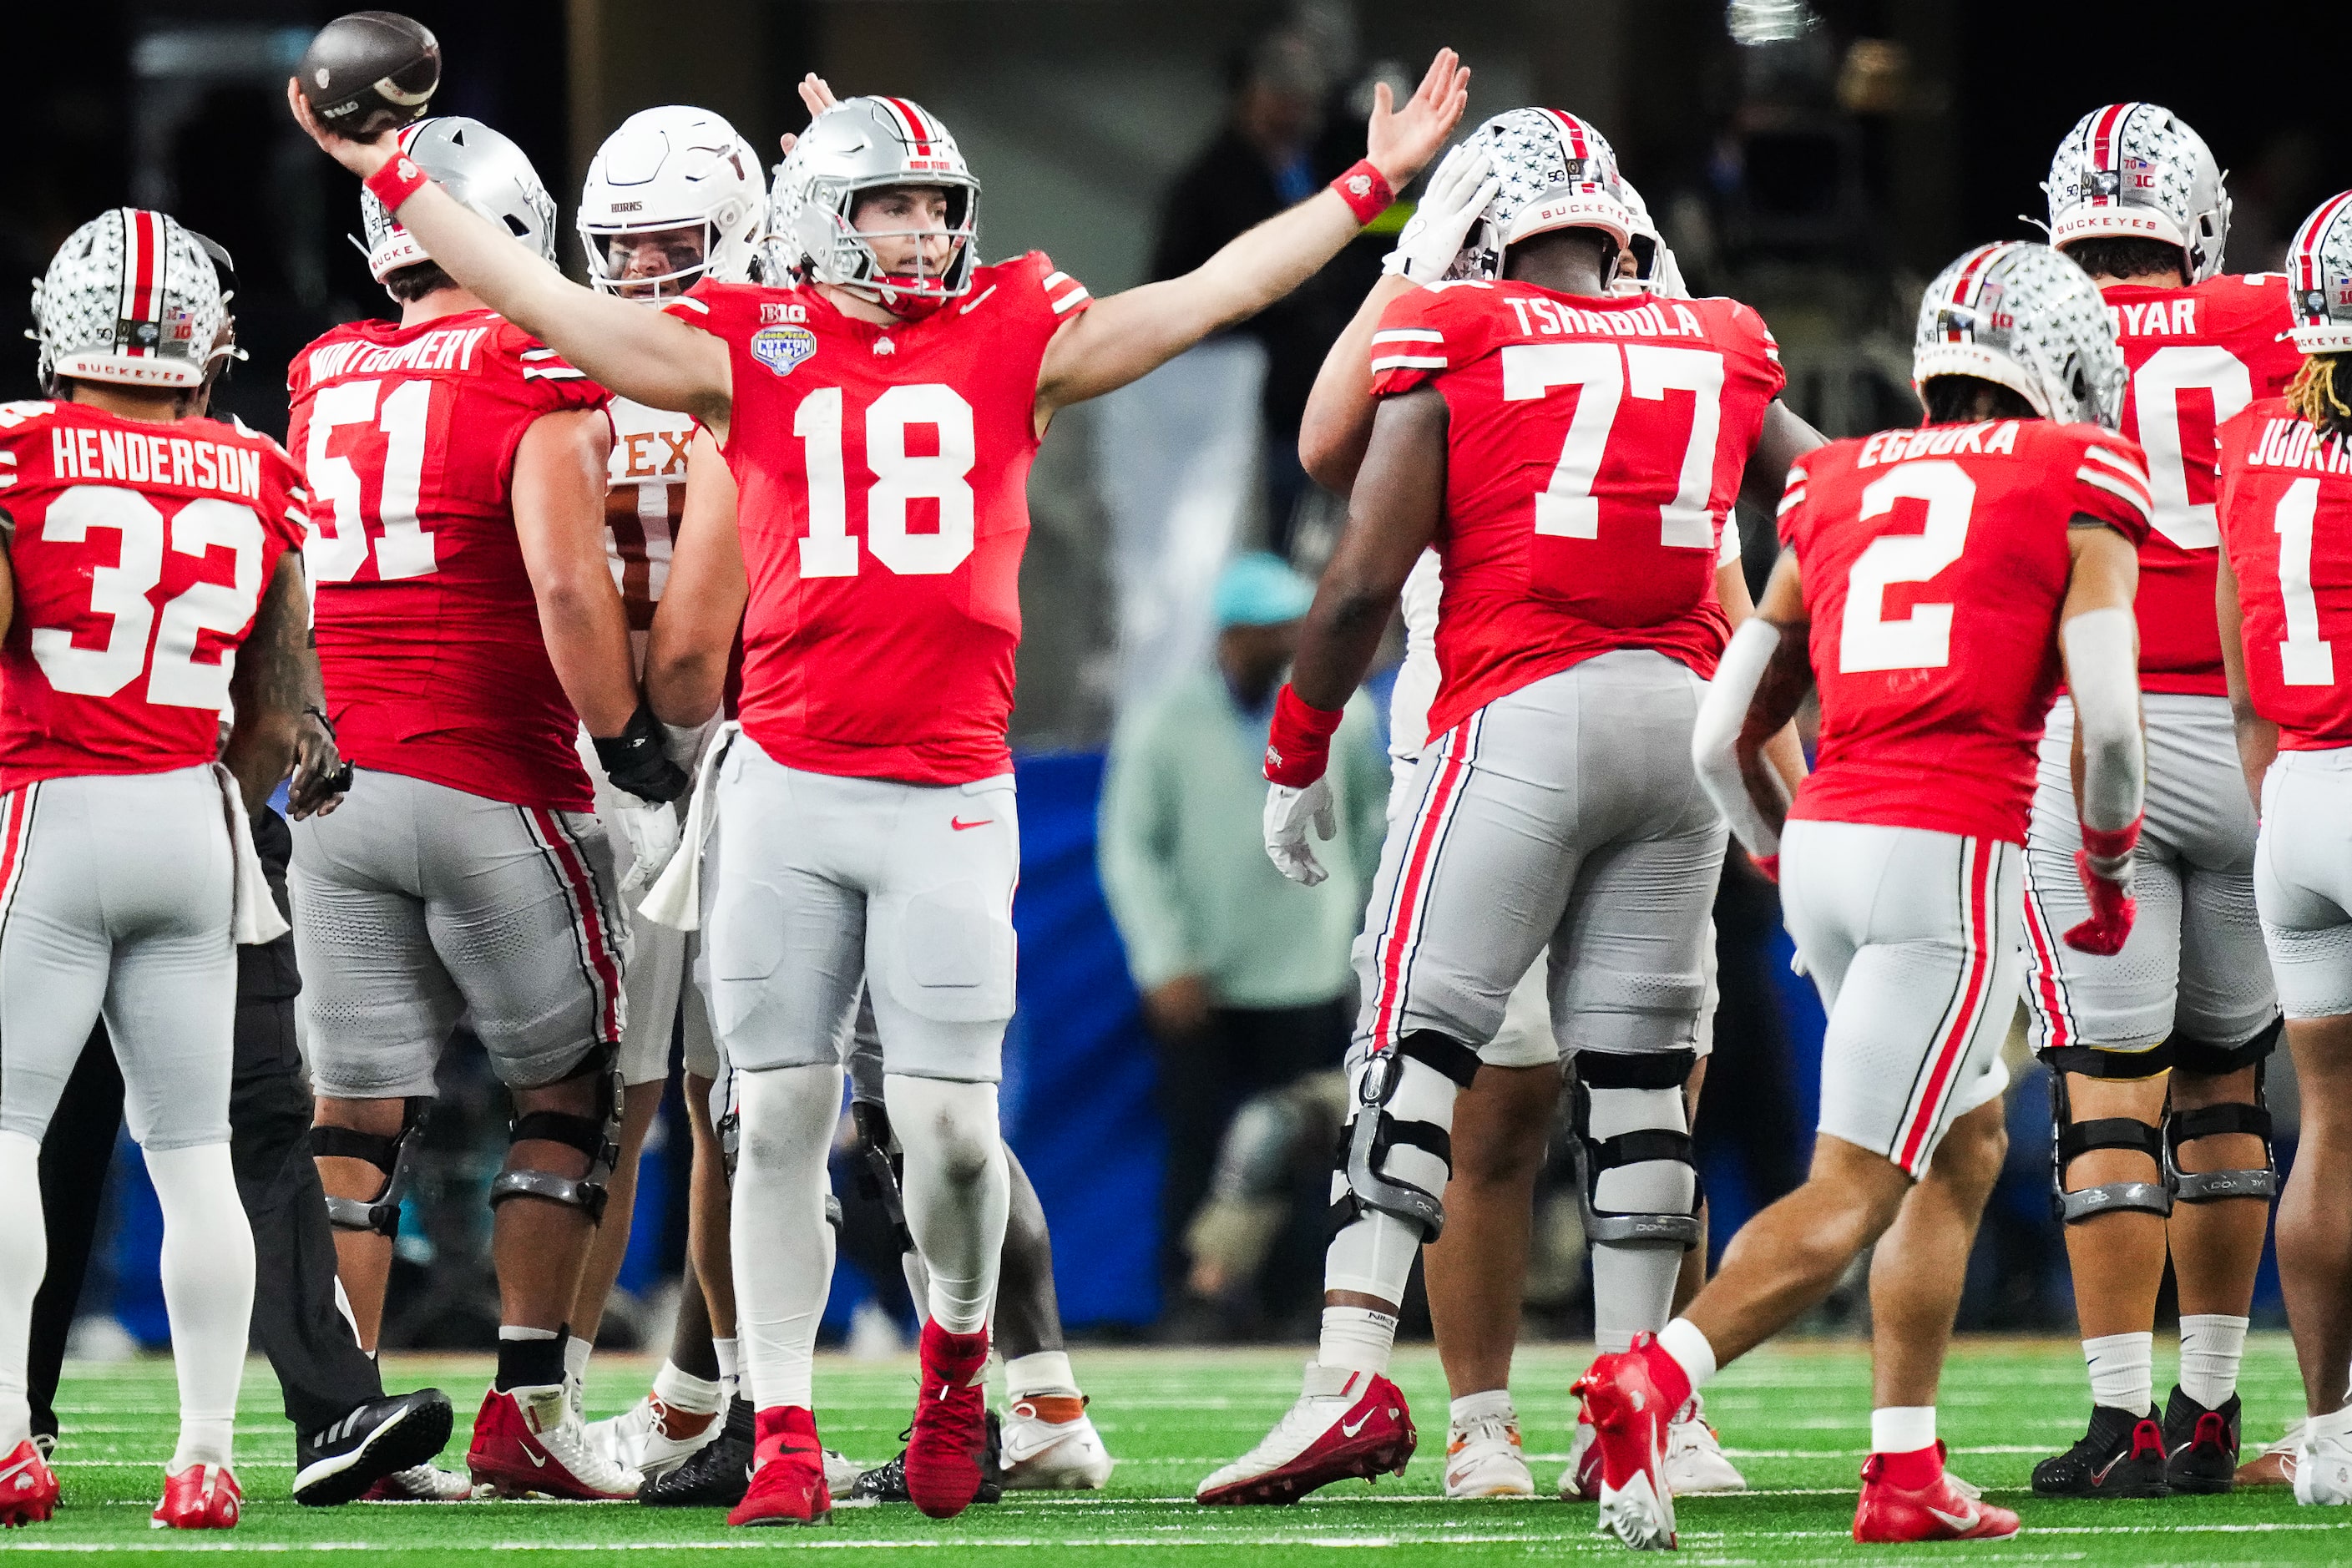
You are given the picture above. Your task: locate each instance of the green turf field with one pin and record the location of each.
(1797, 1419)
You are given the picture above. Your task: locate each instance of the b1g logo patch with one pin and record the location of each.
(782, 349)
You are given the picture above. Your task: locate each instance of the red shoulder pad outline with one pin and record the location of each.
(2110, 481)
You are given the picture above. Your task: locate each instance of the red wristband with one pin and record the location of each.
(1365, 190)
(1299, 745)
(396, 182)
(2111, 844)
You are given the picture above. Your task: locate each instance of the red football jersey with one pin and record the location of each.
(2286, 522)
(141, 556)
(1593, 449)
(884, 506)
(2197, 356)
(1935, 565)
(428, 630)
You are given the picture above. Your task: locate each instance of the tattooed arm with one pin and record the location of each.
(280, 706)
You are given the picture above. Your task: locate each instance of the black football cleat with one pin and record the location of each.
(2201, 1446)
(886, 1482)
(339, 1462)
(2122, 1456)
(717, 1475)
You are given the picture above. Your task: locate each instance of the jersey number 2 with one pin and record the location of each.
(899, 476)
(1867, 640)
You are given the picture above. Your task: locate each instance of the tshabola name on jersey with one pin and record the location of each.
(1561, 318)
(134, 457)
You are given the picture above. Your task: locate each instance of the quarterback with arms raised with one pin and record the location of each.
(881, 419)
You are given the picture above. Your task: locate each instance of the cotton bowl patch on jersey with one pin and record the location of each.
(782, 349)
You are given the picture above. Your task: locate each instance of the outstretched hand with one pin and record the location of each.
(817, 94)
(362, 158)
(1401, 141)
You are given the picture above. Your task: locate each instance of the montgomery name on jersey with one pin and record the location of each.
(141, 554)
(1595, 448)
(884, 472)
(427, 627)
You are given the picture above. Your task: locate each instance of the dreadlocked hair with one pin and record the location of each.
(2318, 394)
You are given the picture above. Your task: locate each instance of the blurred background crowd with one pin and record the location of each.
(1171, 1076)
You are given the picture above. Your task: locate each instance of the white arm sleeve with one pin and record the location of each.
(2103, 673)
(1715, 737)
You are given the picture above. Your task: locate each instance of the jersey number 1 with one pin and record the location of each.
(2306, 658)
(899, 476)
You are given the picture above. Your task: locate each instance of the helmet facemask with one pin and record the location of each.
(673, 196)
(908, 295)
(683, 253)
(850, 152)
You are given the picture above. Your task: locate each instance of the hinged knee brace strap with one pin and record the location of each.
(2071, 1139)
(1655, 1071)
(380, 1213)
(2208, 1121)
(1372, 1133)
(597, 1139)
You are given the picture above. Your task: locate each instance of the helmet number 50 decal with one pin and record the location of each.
(1606, 373)
(899, 476)
(1867, 640)
(2156, 400)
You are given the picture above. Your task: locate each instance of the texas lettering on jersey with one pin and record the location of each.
(428, 630)
(1594, 448)
(2197, 356)
(883, 473)
(2286, 522)
(645, 495)
(1935, 564)
(141, 555)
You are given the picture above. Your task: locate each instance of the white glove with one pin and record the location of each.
(1450, 207)
(649, 827)
(1287, 813)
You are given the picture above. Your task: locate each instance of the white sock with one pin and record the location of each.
(576, 1351)
(207, 1276)
(1042, 1371)
(2123, 1371)
(1357, 1339)
(681, 1390)
(2211, 1345)
(2335, 1423)
(1902, 1428)
(1688, 1347)
(782, 1247)
(729, 1369)
(1634, 1282)
(956, 1189)
(1490, 1403)
(23, 1259)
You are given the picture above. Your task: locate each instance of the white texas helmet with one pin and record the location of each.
(2319, 278)
(2136, 171)
(862, 145)
(670, 168)
(2023, 317)
(130, 297)
(1654, 273)
(483, 170)
(1554, 171)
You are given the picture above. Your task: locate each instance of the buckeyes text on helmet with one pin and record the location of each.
(673, 196)
(481, 168)
(2023, 317)
(862, 146)
(131, 296)
(2319, 278)
(1555, 172)
(2136, 171)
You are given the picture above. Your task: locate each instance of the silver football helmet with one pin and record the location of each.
(1555, 172)
(668, 169)
(2319, 278)
(863, 144)
(1654, 271)
(483, 170)
(2023, 317)
(131, 296)
(2136, 170)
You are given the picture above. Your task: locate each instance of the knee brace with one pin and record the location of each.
(2071, 1139)
(380, 1213)
(597, 1138)
(2205, 1121)
(1602, 1072)
(878, 1167)
(1421, 1076)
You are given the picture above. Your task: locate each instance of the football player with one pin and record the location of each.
(870, 824)
(467, 627)
(1932, 582)
(1572, 452)
(2155, 1052)
(153, 577)
(2285, 601)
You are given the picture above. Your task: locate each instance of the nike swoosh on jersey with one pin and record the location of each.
(960, 824)
(1957, 1520)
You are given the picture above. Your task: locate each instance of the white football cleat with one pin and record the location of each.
(1345, 1423)
(423, 1483)
(618, 1439)
(1695, 1465)
(1046, 1442)
(1581, 1483)
(841, 1473)
(1483, 1459)
(2322, 1467)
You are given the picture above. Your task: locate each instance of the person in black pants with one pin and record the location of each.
(351, 1439)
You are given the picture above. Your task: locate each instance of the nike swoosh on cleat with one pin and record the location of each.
(537, 1461)
(1348, 1431)
(1967, 1521)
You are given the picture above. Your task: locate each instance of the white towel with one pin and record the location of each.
(675, 899)
(253, 912)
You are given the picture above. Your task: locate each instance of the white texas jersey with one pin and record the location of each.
(1416, 682)
(645, 492)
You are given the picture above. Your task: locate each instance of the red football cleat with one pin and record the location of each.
(1890, 1512)
(1345, 1425)
(951, 1431)
(1630, 1416)
(28, 1488)
(202, 1497)
(527, 1440)
(788, 1484)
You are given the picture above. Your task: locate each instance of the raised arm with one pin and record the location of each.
(274, 685)
(2257, 736)
(702, 604)
(1760, 683)
(2099, 642)
(1126, 336)
(638, 353)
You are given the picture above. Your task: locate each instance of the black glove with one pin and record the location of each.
(637, 759)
